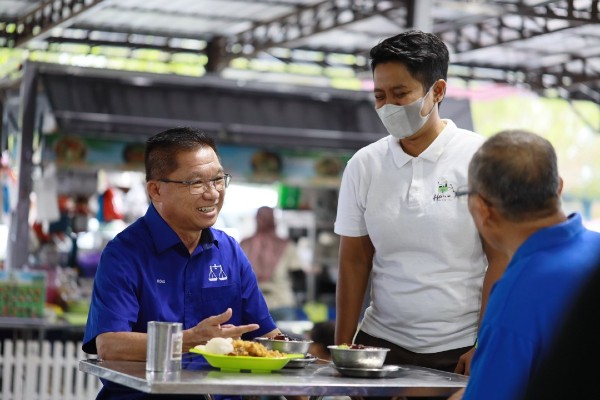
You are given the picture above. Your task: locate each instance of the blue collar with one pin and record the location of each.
(551, 236)
(164, 237)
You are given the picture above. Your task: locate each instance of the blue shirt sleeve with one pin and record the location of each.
(501, 366)
(114, 306)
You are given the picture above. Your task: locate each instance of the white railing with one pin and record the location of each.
(42, 370)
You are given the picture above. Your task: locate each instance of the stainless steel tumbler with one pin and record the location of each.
(163, 351)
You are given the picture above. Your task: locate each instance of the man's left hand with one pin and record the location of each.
(464, 363)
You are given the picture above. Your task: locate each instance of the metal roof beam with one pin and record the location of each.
(39, 21)
(167, 48)
(148, 12)
(140, 32)
(535, 21)
(563, 10)
(582, 91)
(574, 72)
(307, 21)
(419, 15)
(578, 70)
(274, 2)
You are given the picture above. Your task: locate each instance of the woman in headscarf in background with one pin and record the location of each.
(273, 259)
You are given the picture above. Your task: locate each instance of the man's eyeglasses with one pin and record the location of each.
(463, 191)
(198, 187)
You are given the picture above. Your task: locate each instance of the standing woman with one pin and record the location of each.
(402, 224)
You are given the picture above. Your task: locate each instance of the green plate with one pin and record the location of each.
(239, 363)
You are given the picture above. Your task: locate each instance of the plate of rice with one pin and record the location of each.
(241, 355)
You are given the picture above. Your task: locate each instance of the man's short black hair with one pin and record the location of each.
(160, 157)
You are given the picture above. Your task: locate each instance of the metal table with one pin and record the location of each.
(313, 380)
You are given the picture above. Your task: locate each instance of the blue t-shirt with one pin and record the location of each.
(527, 305)
(147, 274)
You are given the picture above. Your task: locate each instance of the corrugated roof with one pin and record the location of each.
(538, 44)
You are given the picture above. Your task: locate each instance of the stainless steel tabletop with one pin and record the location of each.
(313, 380)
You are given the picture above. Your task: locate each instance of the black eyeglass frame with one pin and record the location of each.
(463, 191)
(205, 184)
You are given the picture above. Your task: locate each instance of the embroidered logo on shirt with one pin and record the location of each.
(444, 192)
(160, 281)
(216, 273)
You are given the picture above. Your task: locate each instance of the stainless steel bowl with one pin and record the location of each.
(368, 357)
(285, 346)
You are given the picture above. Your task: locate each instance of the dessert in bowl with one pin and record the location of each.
(358, 356)
(285, 344)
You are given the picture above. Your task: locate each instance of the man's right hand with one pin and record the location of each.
(212, 327)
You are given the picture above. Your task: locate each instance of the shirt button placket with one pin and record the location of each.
(414, 193)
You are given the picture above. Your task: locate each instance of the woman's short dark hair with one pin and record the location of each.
(424, 54)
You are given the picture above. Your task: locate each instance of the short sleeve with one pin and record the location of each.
(350, 219)
(114, 305)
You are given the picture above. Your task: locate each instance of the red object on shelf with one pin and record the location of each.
(110, 208)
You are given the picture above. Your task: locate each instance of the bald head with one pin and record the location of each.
(516, 171)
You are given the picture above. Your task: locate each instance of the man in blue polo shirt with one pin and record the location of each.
(171, 265)
(514, 198)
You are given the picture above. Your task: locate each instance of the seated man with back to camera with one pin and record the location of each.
(514, 197)
(171, 265)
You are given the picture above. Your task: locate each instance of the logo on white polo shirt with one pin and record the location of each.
(444, 191)
(216, 273)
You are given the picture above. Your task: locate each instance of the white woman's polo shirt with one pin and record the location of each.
(429, 263)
